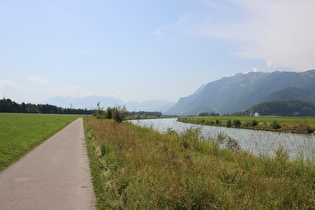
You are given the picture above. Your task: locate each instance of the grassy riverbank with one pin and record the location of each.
(20, 133)
(282, 124)
(134, 167)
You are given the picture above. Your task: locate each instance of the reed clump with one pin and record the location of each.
(135, 167)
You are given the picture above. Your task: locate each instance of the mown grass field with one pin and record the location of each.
(138, 168)
(20, 133)
(287, 124)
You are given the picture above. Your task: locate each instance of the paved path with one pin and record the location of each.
(55, 175)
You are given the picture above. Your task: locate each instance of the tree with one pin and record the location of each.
(203, 114)
(109, 113)
(119, 113)
(99, 114)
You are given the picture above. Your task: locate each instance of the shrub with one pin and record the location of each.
(210, 122)
(109, 113)
(254, 123)
(236, 123)
(99, 113)
(228, 123)
(247, 124)
(232, 144)
(119, 113)
(275, 125)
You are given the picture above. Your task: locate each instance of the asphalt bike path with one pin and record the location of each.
(55, 175)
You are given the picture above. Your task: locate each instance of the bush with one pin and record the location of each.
(254, 123)
(210, 122)
(275, 125)
(228, 123)
(236, 123)
(109, 113)
(99, 113)
(119, 113)
(217, 122)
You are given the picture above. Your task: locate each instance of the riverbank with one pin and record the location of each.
(135, 167)
(301, 125)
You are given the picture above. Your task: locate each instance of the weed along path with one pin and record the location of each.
(55, 175)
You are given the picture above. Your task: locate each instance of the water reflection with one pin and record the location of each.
(254, 141)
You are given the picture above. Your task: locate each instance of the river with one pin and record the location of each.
(254, 141)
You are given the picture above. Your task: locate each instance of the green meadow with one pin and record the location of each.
(20, 133)
(138, 168)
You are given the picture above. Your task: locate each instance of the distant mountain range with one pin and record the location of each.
(239, 92)
(90, 102)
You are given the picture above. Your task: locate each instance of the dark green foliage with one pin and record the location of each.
(281, 108)
(103, 150)
(203, 114)
(236, 123)
(116, 113)
(9, 106)
(99, 113)
(254, 123)
(217, 122)
(275, 125)
(119, 113)
(232, 144)
(145, 114)
(228, 123)
(109, 113)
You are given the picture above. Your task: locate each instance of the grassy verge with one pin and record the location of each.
(135, 167)
(20, 133)
(282, 124)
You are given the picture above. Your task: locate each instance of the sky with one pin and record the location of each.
(146, 49)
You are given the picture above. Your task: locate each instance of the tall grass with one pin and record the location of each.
(19, 133)
(135, 167)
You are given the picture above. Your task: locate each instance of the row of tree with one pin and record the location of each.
(7, 105)
(281, 108)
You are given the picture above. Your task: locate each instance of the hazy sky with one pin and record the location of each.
(146, 49)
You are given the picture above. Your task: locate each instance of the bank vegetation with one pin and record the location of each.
(138, 168)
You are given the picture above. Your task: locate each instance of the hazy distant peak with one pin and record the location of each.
(90, 102)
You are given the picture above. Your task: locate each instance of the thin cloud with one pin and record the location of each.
(86, 52)
(89, 52)
(9, 89)
(39, 80)
(253, 70)
(279, 32)
(10, 84)
(64, 90)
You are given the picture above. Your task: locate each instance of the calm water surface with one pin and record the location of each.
(251, 140)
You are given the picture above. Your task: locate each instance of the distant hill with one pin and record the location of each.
(90, 102)
(281, 108)
(239, 92)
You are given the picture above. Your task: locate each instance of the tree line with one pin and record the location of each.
(7, 105)
(281, 108)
